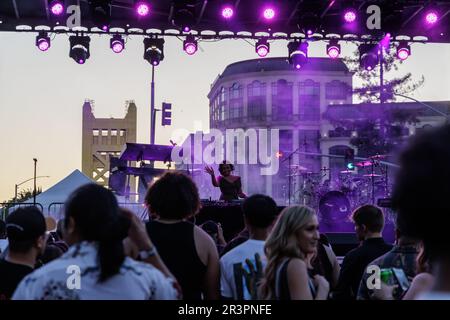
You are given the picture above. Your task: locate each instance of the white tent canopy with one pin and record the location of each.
(59, 192)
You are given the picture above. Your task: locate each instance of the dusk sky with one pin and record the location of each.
(41, 94)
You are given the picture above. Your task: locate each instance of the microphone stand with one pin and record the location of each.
(289, 159)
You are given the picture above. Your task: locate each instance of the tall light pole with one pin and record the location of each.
(16, 186)
(34, 189)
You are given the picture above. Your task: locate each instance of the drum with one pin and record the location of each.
(334, 207)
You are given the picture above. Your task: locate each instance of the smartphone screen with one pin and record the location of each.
(402, 279)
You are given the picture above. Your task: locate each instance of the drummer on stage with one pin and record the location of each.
(230, 185)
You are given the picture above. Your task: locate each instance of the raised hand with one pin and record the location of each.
(209, 170)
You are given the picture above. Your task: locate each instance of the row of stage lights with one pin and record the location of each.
(309, 22)
(154, 49)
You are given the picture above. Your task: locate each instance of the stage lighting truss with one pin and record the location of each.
(117, 44)
(403, 50)
(262, 47)
(309, 23)
(79, 48)
(43, 41)
(368, 56)
(154, 50)
(334, 49)
(298, 53)
(190, 45)
(184, 15)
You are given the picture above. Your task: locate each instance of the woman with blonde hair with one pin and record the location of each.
(294, 237)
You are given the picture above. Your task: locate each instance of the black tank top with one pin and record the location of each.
(176, 246)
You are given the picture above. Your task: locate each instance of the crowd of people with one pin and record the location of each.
(102, 251)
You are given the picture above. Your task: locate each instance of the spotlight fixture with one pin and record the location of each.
(262, 48)
(334, 49)
(350, 15)
(227, 9)
(309, 23)
(142, 8)
(154, 50)
(117, 44)
(43, 41)
(190, 45)
(268, 11)
(101, 13)
(403, 50)
(368, 56)
(56, 7)
(79, 48)
(184, 15)
(431, 17)
(298, 53)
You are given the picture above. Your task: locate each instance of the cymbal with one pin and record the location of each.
(299, 167)
(373, 175)
(347, 171)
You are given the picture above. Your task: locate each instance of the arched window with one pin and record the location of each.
(309, 100)
(281, 100)
(256, 100)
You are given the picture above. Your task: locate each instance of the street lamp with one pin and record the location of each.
(447, 116)
(19, 184)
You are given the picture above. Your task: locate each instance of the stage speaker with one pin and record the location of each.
(342, 242)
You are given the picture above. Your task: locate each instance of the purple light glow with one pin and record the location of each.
(309, 32)
(43, 45)
(298, 66)
(333, 52)
(81, 61)
(262, 51)
(155, 63)
(227, 12)
(190, 48)
(350, 16)
(142, 9)
(186, 29)
(117, 47)
(403, 53)
(431, 17)
(57, 8)
(269, 13)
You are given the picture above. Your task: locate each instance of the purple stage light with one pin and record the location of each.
(43, 41)
(142, 9)
(269, 13)
(190, 45)
(56, 7)
(43, 45)
(298, 66)
(117, 47)
(431, 17)
(227, 12)
(190, 48)
(333, 52)
(350, 16)
(262, 48)
(403, 54)
(262, 51)
(186, 29)
(81, 61)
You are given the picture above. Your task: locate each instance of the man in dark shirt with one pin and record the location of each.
(26, 229)
(402, 256)
(369, 223)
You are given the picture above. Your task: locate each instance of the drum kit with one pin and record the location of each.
(348, 190)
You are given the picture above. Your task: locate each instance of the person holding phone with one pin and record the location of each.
(95, 266)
